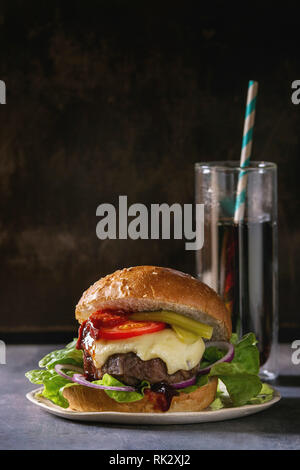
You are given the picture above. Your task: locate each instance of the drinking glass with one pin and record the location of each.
(239, 259)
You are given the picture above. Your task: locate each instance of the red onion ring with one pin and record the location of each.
(80, 379)
(227, 358)
(185, 383)
(58, 368)
(220, 345)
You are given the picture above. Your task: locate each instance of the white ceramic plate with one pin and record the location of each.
(152, 418)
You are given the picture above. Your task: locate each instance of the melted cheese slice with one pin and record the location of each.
(163, 344)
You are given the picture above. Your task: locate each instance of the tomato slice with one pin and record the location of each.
(130, 329)
(114, 324)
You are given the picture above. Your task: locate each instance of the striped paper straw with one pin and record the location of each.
(246, 151)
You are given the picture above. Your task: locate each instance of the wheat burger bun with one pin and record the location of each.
(151, 288)
(86, 399)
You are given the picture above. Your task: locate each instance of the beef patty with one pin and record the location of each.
(131, 370)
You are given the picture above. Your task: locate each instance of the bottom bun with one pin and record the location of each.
(83, 398)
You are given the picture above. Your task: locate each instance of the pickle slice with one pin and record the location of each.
(172, 318)
(185, 336)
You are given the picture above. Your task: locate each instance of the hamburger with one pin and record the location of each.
(150, 340)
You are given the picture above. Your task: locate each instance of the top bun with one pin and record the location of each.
(150, 288)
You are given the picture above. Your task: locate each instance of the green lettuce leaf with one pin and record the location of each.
(54, 385)
(121, 397)
(241, 387)
(67, 355)
(223, 400)
(241, 375)
(201, 381)
(266, 394)
(217, 404)
(211, 355)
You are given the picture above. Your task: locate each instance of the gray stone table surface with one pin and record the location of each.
(25, 426)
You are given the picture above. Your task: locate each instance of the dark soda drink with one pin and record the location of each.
(247, 279)
(239, 259)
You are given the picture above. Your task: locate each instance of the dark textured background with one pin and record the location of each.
(106, 99)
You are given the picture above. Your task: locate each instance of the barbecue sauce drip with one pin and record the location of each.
(92, 326)
(161, 395)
